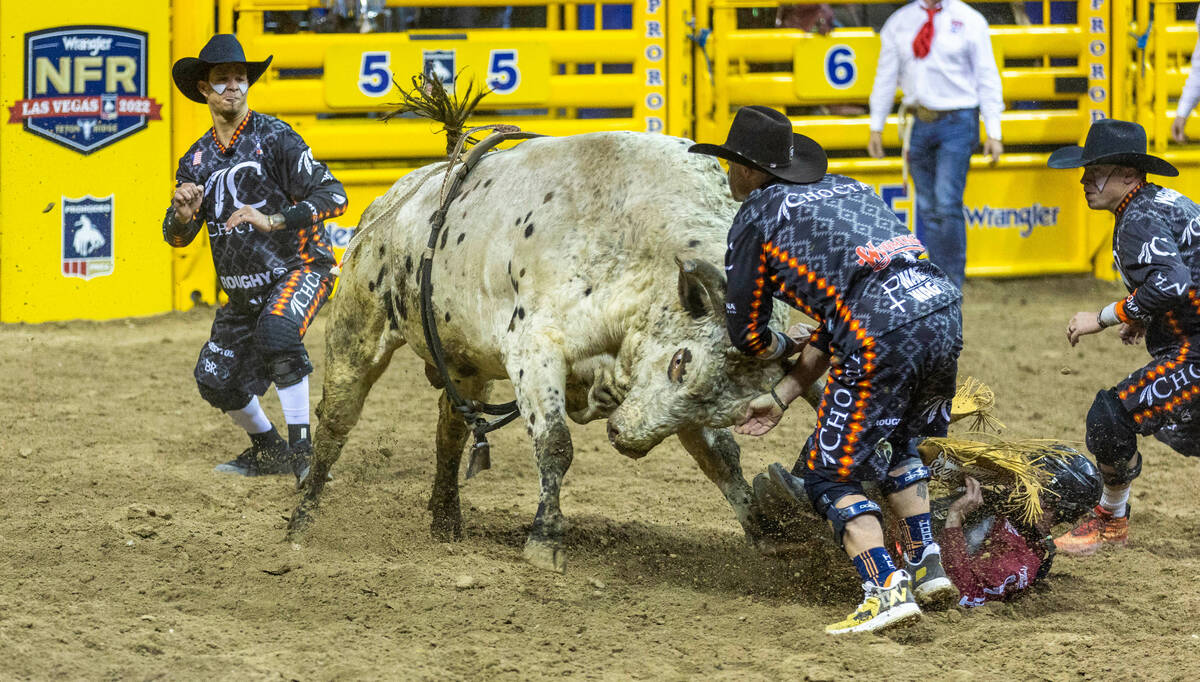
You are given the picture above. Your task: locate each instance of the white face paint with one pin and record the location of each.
(220, 88)
(1100, 183)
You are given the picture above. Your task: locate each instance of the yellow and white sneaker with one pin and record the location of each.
(883, 607)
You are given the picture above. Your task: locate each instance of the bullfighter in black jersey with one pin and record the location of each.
(1156, 247)
(889, 334)
(253, 181)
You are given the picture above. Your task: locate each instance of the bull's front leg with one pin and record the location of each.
(552, 446)
(719, 458)
(540, 380)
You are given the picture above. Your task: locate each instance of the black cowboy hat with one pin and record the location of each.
(762, 138)
(1112, 142)
(222, 48)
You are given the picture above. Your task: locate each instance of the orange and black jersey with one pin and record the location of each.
(836, 252)
(267, 166)
(1156, 248)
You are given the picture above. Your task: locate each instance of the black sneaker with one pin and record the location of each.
(270, 460)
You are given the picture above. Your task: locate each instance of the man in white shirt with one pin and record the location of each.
(1190, 95)
(940, 55)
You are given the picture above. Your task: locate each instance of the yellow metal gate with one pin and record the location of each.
(680, 67)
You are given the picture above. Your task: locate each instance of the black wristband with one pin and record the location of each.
(298, 216)
(782, 405)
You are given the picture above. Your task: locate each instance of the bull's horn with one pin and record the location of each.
(701, 284)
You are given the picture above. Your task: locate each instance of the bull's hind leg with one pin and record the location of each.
(357, 351)
(452, 433)
(720, 459)
(539, 378)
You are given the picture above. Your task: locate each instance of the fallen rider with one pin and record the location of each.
(987, 554)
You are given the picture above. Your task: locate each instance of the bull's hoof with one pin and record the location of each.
(301, 520)
(446, 527)
(545, 555)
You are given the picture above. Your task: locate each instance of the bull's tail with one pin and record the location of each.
(429, 99)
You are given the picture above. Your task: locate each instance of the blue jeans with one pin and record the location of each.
(939, 155)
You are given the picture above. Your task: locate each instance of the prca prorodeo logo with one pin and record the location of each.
(440, 64)
(87, 236)
(85, 86)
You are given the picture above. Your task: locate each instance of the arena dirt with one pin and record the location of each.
(124, 556)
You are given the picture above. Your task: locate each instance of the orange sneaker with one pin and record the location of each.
(1099, 529)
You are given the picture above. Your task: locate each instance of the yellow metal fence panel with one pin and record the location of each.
(84, 156)
(680, 68)
(1022, 218)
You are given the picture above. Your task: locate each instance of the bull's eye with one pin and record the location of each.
(678, 367)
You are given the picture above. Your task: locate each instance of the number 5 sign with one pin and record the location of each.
(846, 63)
(360, 77)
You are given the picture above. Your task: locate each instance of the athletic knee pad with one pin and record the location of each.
(825, 494)
(278, 342)
(894, 484)
(1124, 473)
(224, 399)
(287, 369)
(276, 334)
(1112, 437)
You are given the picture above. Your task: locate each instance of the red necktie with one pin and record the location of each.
(925, 36)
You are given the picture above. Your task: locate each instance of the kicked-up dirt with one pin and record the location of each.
(123, 555)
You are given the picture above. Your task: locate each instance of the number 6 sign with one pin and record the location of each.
(840, 68)
(839, 59)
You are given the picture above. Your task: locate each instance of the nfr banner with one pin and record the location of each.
(85, 86)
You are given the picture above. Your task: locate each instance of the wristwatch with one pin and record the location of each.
(275, 221)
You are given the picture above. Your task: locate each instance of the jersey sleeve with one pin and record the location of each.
(309, 183)
(1153, 267)
(175, 234)
(822, 339)
(747, 304)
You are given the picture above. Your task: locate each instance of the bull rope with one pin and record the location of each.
(472, 411)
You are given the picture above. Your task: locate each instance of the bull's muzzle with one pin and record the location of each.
(614, 437)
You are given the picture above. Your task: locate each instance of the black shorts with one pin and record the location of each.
(230, 359)
(1164, 400)
(896, 391)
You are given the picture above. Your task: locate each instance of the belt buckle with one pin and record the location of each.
(928, 115)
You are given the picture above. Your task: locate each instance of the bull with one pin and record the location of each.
(581, 269)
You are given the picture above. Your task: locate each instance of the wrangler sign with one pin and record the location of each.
(85, 86)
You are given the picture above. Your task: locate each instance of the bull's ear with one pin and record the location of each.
(701, 288)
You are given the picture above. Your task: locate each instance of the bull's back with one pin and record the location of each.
(548, 233)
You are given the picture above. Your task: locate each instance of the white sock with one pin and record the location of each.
(294, 400)
(251, 417)
(1115, 500)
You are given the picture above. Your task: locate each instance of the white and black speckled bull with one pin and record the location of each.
(581, 269)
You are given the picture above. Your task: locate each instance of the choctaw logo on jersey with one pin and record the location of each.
(85, 86)
(87, 230)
